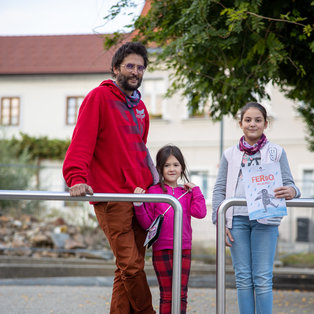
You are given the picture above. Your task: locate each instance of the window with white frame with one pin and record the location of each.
(72, 109)
(10, 111)
(308, 183)
(203, 111)
(201, 179)
(153, 91)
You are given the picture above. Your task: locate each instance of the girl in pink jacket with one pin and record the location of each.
(171, 166)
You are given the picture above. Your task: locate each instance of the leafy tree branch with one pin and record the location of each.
(228, 51)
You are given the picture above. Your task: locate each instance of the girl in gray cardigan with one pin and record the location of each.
(252, 242)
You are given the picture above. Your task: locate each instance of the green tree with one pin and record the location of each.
(38, 149)
(20, 163)
(16, 173)
(228, 51)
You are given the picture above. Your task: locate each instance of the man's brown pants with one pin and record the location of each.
(131, 293)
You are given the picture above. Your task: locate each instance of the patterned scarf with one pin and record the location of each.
(131, 101)
(251, 150)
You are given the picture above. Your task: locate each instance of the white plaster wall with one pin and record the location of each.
(43, 101)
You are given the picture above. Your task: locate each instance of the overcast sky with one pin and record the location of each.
(55, 17)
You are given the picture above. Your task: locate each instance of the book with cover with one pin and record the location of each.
(153, 231)
(260, 182)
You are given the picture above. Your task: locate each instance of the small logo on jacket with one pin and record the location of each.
(140, 114)
(273, 153)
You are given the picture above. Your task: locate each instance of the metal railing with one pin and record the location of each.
(220, 244)
(105, 197)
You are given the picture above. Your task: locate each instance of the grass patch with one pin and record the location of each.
(298, 260)
(207, 254)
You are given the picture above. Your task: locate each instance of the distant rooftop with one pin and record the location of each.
(54, 54)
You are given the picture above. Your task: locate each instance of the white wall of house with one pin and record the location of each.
(43, 101)
(43, 110)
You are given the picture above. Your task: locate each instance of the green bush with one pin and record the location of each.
(40, 148)
(298, 260)
(20, 161)
(16, 173)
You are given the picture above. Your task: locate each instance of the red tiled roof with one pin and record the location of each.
(146, 7)
(54, 54)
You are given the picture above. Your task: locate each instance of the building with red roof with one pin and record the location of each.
(43, 80)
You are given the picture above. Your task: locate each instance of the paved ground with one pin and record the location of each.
(96, 300)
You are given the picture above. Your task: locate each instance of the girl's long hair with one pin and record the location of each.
(162, 156)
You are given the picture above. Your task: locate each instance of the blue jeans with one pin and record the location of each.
(253, 252)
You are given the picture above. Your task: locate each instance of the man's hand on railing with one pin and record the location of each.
(81, 189)
(138, 190)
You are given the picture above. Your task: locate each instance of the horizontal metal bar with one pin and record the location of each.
(96, 197)
(300, 202)
(296, 202)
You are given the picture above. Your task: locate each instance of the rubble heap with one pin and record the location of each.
(28, 236)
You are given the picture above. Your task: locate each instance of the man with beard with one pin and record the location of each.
(108, 154)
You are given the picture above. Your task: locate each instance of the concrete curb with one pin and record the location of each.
(17, 269)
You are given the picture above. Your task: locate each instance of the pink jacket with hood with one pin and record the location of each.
(193, 205)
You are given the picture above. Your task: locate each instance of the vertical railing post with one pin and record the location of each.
(105, 197)
(220, 244)
(177, 259)
(221, 254)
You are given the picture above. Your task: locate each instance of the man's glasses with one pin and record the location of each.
(131, 67)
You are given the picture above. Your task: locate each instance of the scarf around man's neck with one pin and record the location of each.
(131, 101)
(251, 150)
